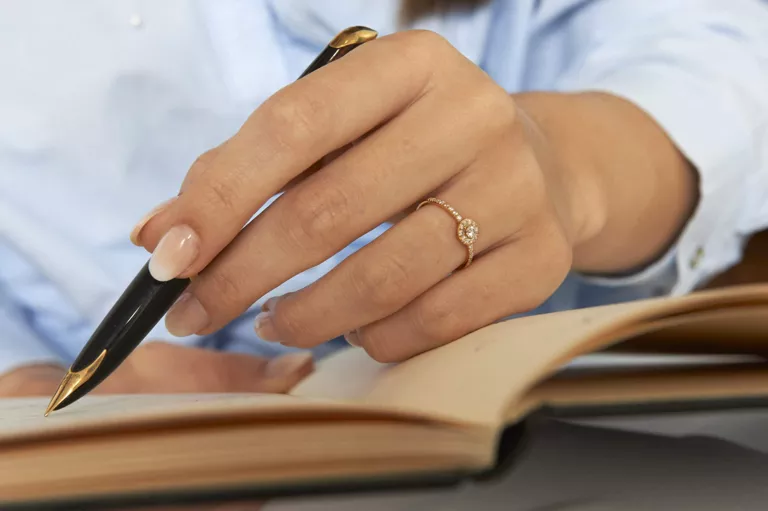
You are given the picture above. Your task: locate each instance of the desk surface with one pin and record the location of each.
(697, 461)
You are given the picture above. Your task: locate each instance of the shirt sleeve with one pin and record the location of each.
(20, 345)
(21, 341)
(700, 69)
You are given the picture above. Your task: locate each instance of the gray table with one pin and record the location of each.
(696, 461)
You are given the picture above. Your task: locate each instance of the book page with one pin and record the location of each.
(22, 418)
(473, 380)
(477, 378)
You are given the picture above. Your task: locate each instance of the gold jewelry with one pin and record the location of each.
(467, 230)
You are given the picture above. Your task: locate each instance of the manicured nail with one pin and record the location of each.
(136, 232)
(269, 305)
(290, 364)
(175, 253)
(265, 326)
(353, 338)
(187, 316)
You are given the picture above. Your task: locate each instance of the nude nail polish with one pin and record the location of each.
(187, 316)
(265, 326)
(176, 251)
(269, 305)
(352, 338)
(136, 232)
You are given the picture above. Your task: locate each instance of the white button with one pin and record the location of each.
(698, 256)
(136, 21)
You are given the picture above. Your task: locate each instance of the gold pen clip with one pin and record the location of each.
(352, 36)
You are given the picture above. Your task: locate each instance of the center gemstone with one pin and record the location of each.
(468, 231)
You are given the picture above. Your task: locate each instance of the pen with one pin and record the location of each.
(146, 300)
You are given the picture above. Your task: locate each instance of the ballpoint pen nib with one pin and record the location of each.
(72, 381)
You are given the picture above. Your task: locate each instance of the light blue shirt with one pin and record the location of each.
(104, 106)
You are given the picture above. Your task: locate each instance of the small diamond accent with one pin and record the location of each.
(468, 231)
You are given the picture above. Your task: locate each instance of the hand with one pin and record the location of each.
(29, 381)
(158, 367)
(407, 117)
(164, 368)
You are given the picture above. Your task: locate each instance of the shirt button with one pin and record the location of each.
(136, 21)
(698, 256)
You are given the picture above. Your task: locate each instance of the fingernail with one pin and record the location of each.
(187, 316)
(270, 304)
(290, 364)
(136, 232)
(353, 338)
(175, 253)
(265, 326)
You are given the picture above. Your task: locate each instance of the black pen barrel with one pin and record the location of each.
(146, 300)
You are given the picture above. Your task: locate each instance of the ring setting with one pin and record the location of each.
(467, 230)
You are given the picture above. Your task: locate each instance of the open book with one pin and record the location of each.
(453, 413)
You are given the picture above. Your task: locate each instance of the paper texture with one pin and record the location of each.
(474, 380)
(477, 378)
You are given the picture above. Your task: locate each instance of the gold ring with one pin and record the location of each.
(467, 230)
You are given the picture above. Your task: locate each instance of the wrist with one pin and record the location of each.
(626, 189)
(575, 186)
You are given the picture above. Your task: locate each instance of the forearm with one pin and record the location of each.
(627, 189)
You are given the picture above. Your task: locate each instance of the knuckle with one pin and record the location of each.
(225, 286)
(422, 50)
(437, 320)
(296, 121)
(502, 104)
(423, 44)
(204, 160)
(493, 109)
(223, 193)
(381, 284)
(530, 205)
(535, 188)
(316, 216)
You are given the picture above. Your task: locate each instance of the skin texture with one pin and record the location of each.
(556, 182)
(164, 368)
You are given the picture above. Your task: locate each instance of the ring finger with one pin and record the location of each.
(404, 262)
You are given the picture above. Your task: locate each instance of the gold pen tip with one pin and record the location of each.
(65, 389)
(72, 381)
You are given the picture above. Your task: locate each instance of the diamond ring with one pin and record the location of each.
(467, 230)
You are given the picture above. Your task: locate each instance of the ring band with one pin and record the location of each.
(467, 230)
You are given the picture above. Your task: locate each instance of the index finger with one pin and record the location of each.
(293, 129)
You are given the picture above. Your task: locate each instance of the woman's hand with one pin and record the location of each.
(405, 118)
(164, 368)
